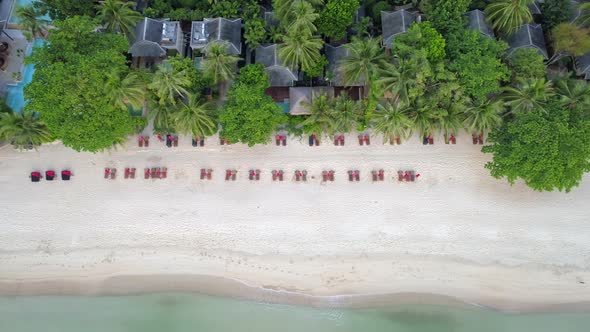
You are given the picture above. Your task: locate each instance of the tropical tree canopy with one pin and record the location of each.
(218, 63)
(23, 130)
(508, 15)
(484, 116)
(364, 61)
(119, 16)
(392, 120)
(195, 117)
(31, 22)
(528, 96)
(68, 89)
(169, 85)
(321, 118)
(336, 17)
(547, 150)
(300, 50)
(526, 64)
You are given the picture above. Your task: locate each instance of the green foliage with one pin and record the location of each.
(528, 96)
(392, 120)
(300, 19)
(336, 17)
(300, 50)
(119, 16)
(226, 9)
(61, 9)
(249, 116)
(23, 130)
(548, 150)
(254, 32)
(68, 87)
(195, 117)
(476, 60)
(377, 9)
(168, 85)
(526, 63)
(555, 12)
(571, 39)
(421, 36)
(445, 15)
(196, 80)
(508, 15)
(218, 64)
(364, 62)
(317, 68)
(4, 107)
(346, 113)
(30, 21)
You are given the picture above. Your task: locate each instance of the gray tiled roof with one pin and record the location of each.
(334, 54)
(278, 74)
(477, 21)
(528, 36)
(217, 29)
(535, 8)
(394, 23)
(153, 37)
(583, 66)
(576, 11)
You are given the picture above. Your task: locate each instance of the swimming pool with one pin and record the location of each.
(13, 19)
(15, 98)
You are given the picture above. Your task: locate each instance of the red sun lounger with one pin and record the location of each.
(175, 141)
(113, 173)
(400, 175)
(164, 173)
(350, 175)
(453, 139)
(381, 175)
(474, 138)
(65, 175)
(336, 141)
(140, 141)
(361, 140)
(430, 140)
(127, 172)
(331, 175)
(280, 173)
(412, 176)
(374, 175)
(480, 139)
(158, 173)
(153, 174)
(233, 175)
(35, 176)
(257, 174)
(357, 175)
(132, 173)
(146, 173)
(49, 175)
(324, 176)
(297, 175)
(251, 174)
(274, 175)
(107, 173)
(203, 173)
(146, 141)
(209, 174)
(304, 175)
(341, 139)
(227, 174)
(367, 140)
(277, 140)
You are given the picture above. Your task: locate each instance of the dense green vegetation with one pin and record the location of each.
(439, 77)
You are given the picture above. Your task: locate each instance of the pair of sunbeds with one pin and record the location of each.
(281, 140)
(339, 140)
(327, 176)
(130, 173)
(314, 140)
(143, 141)
(277, 175)
(231, 174)
(254, 174)
(378, 175)
(198, 141)
(364, 139)
(171, 141)
(206, 174)
(428, 140)
(300, 175)
(477, 139)
(354, 175)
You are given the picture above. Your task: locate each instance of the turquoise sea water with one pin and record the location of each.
(178, 313)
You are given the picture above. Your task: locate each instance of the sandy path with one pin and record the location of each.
(456, 231)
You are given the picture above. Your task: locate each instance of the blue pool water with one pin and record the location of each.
(15, 98)
(13, 19)
(285, 106)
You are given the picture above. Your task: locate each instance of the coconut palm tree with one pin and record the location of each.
(574, 93)
(122, 92)
(509, 15)
(321, 120)
(31, 21)
(218, 63)
(23, 130)
(483, 116)
(451, 120)
(195, 117)
(401, 78)
(169, 85)
(163, 117)
(528, 96)
(119, 16)
(364, 61)
(346, 113)
(283, 8)
(393, 121)
(425, 118)
(584, 18)
(300, 50)
(301, 17)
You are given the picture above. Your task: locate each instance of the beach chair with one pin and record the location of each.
(65, 175)
(127, 172)
(222, 140)
(324, 176)
(251, 174)
(336, 141)
(316, 140)
(146, 173)
(350, 175)
(331, 175)
(146, 140)
(412, 176)
(132, 173)
(304, 175)
(424, 140)
(381, 175)
(453, 139)
(209, 174)
(195, 142)
(297, 175)
(204, 173)
(113, 173)
(280, 174)
(274, 175)
(175, 141)
(310, 141)
(154, 173)
(35, 176)
(49, 175)
(233, 175)
(374, 175)
(400, 175)
(361, 140)
(407, 175)
(107, 173)
(474, 138)
(430, 140)
(277, 140)
(367, 140)
(398, 141)
(257, 174)
(284, 140)
(341, 139)
(140, 141)
(227, 174)
(202, 141)
(357, 175)
(169, 141)
(480, 139)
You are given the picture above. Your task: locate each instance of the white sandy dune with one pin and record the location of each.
(456, 231)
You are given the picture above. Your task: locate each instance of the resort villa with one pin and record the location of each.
(155, 40)
(476, 20)
(216, 30)
(395, 23)
(528, 36)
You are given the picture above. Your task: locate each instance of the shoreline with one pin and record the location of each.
(135, 285)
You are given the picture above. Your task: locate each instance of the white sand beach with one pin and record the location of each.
(456, 231)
